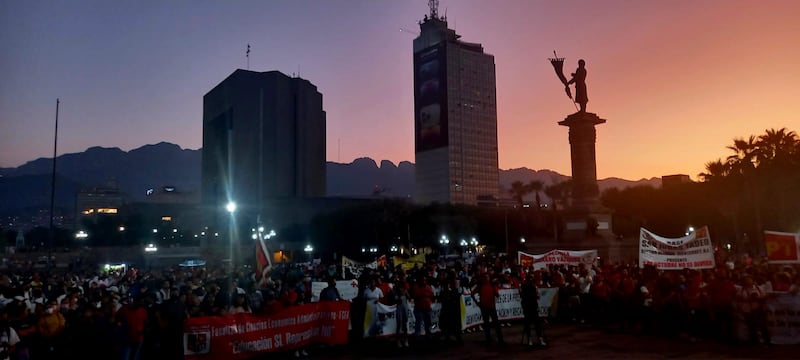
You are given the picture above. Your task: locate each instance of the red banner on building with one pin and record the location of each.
(243, 336)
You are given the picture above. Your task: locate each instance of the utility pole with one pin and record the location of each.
(51, 236)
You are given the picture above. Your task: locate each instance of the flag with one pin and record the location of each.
(263, 258)
(248, 50)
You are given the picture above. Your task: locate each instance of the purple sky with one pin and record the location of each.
(677, 80)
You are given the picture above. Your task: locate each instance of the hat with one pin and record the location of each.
(113, 289)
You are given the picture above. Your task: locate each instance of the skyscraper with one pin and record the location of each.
(455, 116)
(263, 138)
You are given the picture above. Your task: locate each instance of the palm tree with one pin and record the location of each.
(776, 146)
(518, 191)
(536, 186)
(717, 170)
(743, 160)
(557, 192)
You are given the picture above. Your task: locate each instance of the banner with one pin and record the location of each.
(243, 336)
(381, 320)
(693, 251)
(548, 302)
(782, 248)
(348, 289)
(408, 263)
(557, 257)
(381, 261)
(783, 319)
(355, 267)
(470, 312)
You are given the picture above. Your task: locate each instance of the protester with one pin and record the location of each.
(487, 293)
(529, 297)
(423, 302)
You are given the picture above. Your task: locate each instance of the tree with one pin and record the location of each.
(536, 186)
(518, 191)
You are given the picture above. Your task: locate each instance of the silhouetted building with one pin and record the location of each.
(263, 138)
(672, 180)
(455, 117)
(99, 201)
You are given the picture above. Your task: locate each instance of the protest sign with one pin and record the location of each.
(782, 247)
(243, 336)
(693, 251)
(348, 289)
(557, 257)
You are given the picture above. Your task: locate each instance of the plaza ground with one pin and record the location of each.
(565, 342)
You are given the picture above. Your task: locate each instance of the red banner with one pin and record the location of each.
(243, 336)
(782, 248)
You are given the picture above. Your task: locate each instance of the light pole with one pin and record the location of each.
(474, 243)
(444, 241)
(231, 208)
(308, 250)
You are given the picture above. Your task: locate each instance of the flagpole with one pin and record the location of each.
(53, 192)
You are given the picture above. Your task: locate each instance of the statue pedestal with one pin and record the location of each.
(585, 220)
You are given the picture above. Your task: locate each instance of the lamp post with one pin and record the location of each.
(444, 241)
(231, 208)
(308, 250)
(474, 243)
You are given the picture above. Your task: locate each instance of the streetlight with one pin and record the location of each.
(81, 235)
(444, 241)
(121, 228)
(155, 231)
(522, 240)
(308, 249)
(261, 229)
(254, 236)
(150, 248)
(231, 207)
(393, 248)
(363, 250)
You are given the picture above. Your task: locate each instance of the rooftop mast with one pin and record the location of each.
(434, 5)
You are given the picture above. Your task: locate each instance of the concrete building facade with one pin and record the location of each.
(455, 117)
(263, 138)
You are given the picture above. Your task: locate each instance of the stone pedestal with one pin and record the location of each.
(586, 222)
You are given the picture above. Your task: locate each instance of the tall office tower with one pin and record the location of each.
(455, 116)
(263, 138)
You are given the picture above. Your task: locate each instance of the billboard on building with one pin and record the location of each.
(430, 98)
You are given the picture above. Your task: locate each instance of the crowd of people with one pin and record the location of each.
(137, 314)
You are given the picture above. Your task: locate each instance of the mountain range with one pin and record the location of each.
(166, 164)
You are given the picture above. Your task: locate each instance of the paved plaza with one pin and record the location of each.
(565, 342)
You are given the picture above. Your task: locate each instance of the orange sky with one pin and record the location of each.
(676, 80)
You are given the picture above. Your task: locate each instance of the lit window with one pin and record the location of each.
(166, 218)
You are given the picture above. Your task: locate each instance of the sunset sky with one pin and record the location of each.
(676, 80)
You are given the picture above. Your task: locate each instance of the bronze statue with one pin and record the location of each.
(578, 78)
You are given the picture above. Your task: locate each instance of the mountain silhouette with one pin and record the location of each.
(166, 164)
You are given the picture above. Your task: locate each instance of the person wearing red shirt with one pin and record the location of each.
(488, 291)
(722, 292)
(132, 318)
(423, 301)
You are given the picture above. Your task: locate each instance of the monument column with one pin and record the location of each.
(582, 137)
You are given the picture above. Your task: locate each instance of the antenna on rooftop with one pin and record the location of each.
(434, 5)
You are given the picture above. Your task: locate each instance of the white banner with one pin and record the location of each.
(556, 257)
(470, 312)
(548, 302)
(348, 289)
(783, 319)
(693, 251)
(381, 320)
(508, 305)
